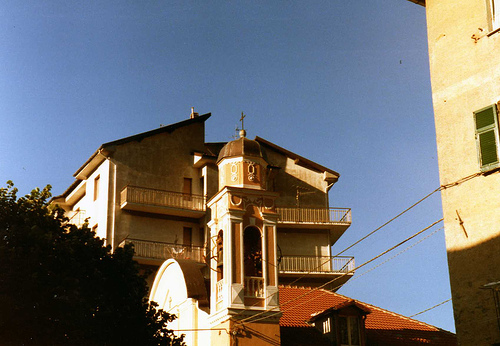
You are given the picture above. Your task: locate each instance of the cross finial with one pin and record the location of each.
(241, 119)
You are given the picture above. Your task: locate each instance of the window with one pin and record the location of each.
(326, 326)
(220, 256)
(252, 245)
(486, 122)
(187, 189)
(349, 331)
(96, 187)
(187, 235)
(494, 14)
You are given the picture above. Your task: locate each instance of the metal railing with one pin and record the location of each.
(316, 264)
(163, 198)
(254, 286)
(76, 217)
(161, 250)
(315, 215)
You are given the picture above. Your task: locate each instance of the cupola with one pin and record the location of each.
(241, 164)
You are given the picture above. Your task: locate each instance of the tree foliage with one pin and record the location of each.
(59, 284)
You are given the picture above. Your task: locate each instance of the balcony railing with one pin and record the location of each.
(162, 251)
(133, 195)
(314, 215)
(254, 286)
(316, 264)
(76, 217)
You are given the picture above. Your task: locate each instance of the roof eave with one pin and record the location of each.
(300, 160)
(418, 2)
(91, 163)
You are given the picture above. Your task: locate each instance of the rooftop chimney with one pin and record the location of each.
(193, 113)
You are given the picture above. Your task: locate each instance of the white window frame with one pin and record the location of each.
(494, 12)
(326, 326)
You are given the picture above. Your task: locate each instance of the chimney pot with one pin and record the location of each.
(193, 113)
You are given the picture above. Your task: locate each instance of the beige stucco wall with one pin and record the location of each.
(465, 77)
(304, 242)
(161, 162)
(292, 176)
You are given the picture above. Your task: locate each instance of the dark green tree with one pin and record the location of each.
(59, 284)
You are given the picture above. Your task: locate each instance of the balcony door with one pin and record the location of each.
(187, 189)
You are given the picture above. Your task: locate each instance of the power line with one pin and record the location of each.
(252, 318)
(440, 188)
(396, 255)
(432, 307)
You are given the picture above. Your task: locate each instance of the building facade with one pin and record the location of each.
(464, 42)
(238, 236)
(221, 224)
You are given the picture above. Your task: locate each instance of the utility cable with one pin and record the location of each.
(252, 318)
(440, 188)
(432, 307)
(396, 255)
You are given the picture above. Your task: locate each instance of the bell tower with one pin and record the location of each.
(244, 272)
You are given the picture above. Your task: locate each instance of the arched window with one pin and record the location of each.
(219, 256)
(252, 240)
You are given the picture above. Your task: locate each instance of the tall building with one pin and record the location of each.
(238, 236)
(242, 216)
(464, 46)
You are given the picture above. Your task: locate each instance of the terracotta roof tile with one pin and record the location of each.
(382, 326)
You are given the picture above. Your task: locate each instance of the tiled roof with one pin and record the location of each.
(383, 327)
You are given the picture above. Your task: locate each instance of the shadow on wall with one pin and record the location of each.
(476, 317)
(295, 192)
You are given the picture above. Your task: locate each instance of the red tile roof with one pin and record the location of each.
(383, 327)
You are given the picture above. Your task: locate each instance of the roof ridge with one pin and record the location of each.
(142, 135)
(161, 129)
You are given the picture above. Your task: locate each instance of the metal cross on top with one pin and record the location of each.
(241, 119)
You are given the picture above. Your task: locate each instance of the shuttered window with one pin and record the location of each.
(486, 121)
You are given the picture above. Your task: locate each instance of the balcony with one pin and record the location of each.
(157, 252)
(318, 269)
(335, 219)
(316, 264)
(330, 216)
(162, 202)
(76, 217)
(254, 287)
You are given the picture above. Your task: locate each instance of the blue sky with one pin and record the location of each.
(344, 83)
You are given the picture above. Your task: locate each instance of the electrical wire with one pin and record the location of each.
(358, 241)
(432, 307)
(252, 318)
(393, 257)
(440, 188)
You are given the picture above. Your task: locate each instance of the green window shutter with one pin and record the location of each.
(486, 121)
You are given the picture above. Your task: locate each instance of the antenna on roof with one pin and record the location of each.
(237, 130)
